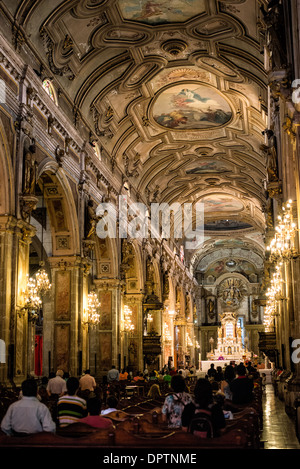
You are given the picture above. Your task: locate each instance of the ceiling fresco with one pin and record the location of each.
(174, 94)
(158, 12)
(195, 107)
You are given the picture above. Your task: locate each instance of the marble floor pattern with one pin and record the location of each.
(278, 428)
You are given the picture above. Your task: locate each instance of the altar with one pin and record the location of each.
(229, 346)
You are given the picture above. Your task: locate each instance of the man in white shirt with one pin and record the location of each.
(27, 415)
(112, 403)
(113, 374)
(87, 382)
(57, 386)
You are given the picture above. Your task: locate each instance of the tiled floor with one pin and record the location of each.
(278, 428)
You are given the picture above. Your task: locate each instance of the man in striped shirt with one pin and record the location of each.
(70, 407)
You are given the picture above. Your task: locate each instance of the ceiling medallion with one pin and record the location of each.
(174, 46)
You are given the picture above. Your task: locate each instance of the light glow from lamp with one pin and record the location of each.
(128, 326)
(32, 300)
(282, 246)
(92, 309)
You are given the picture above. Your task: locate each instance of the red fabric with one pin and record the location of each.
(97, 421)
(38, 355)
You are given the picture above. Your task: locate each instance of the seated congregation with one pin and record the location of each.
(215, 411)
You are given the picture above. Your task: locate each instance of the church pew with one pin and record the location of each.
(249, 429)
(79, 429)
(250, 413)
(154, 416)
(178, 439)
(99, 438)
(120, 438)
(142, 426)
(252, 418)
(117, 416)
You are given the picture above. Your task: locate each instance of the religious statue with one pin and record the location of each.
(271, 151)
(149, 271)
(178, 295)
(127, 258)
(211, 308)
(91, 219)
(274, 20)
(166, 286)
(30, 165)
(187, 305)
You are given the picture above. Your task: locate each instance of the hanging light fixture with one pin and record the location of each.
(92, 309)
(273, 295)
(128, 326)
(92, 312)
(42, 280)
(33, 301)
(282, 246)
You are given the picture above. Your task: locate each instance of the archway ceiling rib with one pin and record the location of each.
(175, 92)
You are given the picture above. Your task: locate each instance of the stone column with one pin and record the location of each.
(105, 349)
(15, 239)
(6, 291)
(62, 318)
(135, 339)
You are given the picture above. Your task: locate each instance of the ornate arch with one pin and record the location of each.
(61, 207)
(7, 197)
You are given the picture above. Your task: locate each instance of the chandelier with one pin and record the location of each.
(273, 294)
(92, 309)
(282, 245)
(33, 301)
(42, 280)
(128, 326)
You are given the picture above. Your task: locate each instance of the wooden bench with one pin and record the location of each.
(248, 420)
(120, 438)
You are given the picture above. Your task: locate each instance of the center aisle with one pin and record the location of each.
(278, 428)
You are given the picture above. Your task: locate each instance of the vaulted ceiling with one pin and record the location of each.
(174, 92)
